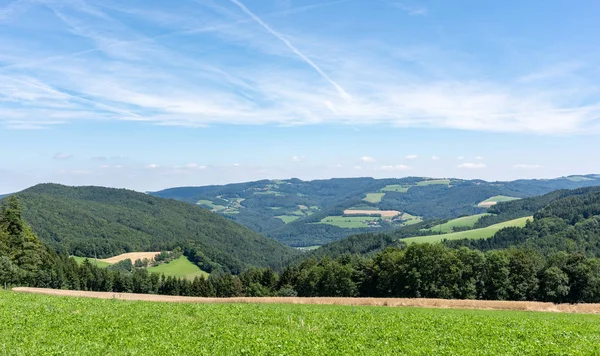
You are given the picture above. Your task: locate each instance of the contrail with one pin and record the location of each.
(340, 90)
(74, 97)
(166, 35)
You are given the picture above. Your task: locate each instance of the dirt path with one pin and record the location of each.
(391, 302)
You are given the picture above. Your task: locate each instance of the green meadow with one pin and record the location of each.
(482, 233)
(49, 325)
(181, 267)
(465, 221)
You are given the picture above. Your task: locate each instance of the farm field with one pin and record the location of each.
(395, 188)
(98, 263)
(465, 221)
(40, 324)
(482, 233)
(374, 197)
(383, 213)
(211, 205)
(495, 200)
(348, 222)
(181, 267)
(434, 181)
(288, 218)
(133, 256)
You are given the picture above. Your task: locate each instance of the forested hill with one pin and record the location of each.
(305, 213)
(568, 224)
(103, 222)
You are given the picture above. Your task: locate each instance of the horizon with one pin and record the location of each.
(147, 96)
(285, 179)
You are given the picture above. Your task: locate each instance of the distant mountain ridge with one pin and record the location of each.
(102, 222)
(305, 213)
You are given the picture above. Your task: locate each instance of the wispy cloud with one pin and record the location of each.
(368, 159)
(411, 157)
(471, 166)
(62, 156)
(435, 158)
(399, 167)
(99, 69)
(302, 56)
(411, 9)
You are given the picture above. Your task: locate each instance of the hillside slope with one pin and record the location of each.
(564, 220)
(102, 222)
(301, 213)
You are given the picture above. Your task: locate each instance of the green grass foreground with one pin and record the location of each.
(41, 325)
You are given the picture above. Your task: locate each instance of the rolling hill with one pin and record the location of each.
(103, 222)
(306, 213)
(563, 220)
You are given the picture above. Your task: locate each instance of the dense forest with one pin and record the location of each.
(273, 207)
(554, 258)
(104, 222)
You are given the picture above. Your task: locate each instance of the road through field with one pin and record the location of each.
(390, 302)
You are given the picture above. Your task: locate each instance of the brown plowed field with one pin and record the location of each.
(133, 256)
(390, 302)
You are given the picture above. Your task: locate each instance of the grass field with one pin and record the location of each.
(41, 325)
(211, 205)
(482, 233)
(434, 181)
(494, 200)
(98, 263)
(578, 178)
(288, 218)
(395, 188)
(374, 197)
(460, 222)
(181, 267)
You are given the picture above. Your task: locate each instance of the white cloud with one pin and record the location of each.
(527, 166)
(399, 167)
(280, 81)
(479, 158)
(194, 166)
(368, 159)
(472, 165)
(358, 167)
(62, 156)
(460, 158)
(152, 166)
(435, 158)
(411, 157)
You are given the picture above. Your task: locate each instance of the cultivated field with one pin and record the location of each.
(495, 200)
(434, 181)
(395, 188)
(41, 324)
(383, 213)
(133, 256)
(466, 221)
(181, 267)
(482, 233)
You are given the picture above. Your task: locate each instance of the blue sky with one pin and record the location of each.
(153, 94)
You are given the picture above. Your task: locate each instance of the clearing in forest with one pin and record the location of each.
(382, 213)
(374, 197)
(495, 200)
